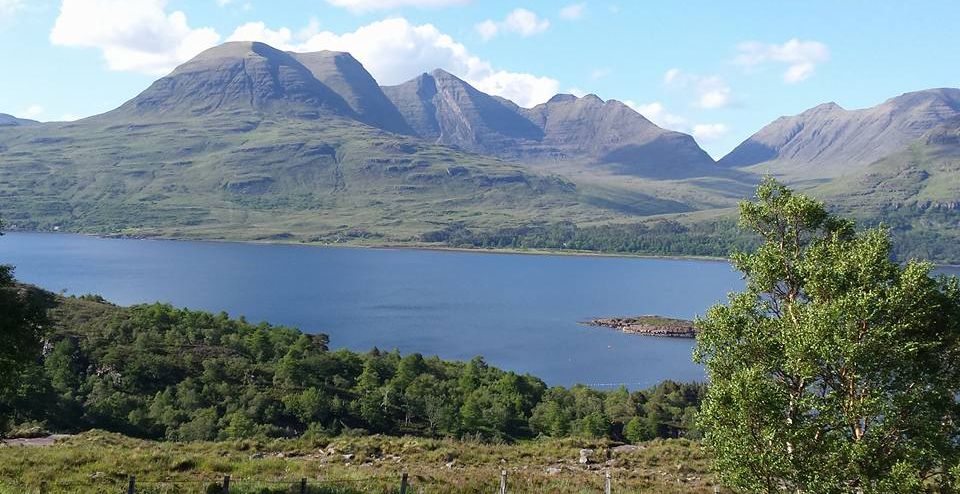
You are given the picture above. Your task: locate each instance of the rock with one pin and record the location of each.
(280, 455)
(626, 448)
(348, 456)
(585, 456)
(553, 470)
(256, 456)
(451, 463)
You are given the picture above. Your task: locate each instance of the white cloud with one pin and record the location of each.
(224, 3)
(133, 35)
(8, 8)
(573, 12)
(658, 114)
(577, 92)
(801, 57)
(520, 21)
(395, 50)
(710, 91)
(523, 89)
(525, 22)
(487, 29)
(68, 117)
(359, 6)
(710, 131)
(671, 75)
(32, 111)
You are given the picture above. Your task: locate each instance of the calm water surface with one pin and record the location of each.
(519, 311)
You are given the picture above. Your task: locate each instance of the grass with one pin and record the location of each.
(98, 461)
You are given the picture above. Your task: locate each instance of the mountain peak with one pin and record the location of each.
(7, 120)
(834, 140)
(562, 98)
(346, 76)
(239, 76)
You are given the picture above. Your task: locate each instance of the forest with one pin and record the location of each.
(159, 372)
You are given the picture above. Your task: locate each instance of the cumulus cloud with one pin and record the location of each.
(801, 57)
(520, 21)
(395, 50)
(132, 35)
(360, 6)
(32, 111)
(709, 131)
(573, 12)
(658, 114)
(710, 91)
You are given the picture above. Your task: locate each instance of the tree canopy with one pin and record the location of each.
(836, 369)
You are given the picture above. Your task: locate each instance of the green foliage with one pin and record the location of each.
(660, 237)
(836, 370)
(22, 324)
(155, 371)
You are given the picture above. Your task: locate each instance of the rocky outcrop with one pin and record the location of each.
(649, 326)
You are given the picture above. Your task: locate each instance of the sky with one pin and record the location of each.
(716, 70)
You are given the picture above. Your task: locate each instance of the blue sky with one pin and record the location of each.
(718, 70)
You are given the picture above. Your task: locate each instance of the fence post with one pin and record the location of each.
(716, 489)
(132, 485)
(403, 483)
(606, 488)
(303, 485)
(43, 487)
(226, 484)
(503, 482)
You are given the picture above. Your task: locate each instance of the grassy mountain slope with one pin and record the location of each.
(256, 176)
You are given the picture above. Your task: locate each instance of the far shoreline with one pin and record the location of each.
(411, 246)
(389, 246)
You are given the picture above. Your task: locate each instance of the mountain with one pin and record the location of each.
(587, 130)
(610, 132)
(346, 76)
(828, 140)
(445, 109)
(10, 120)
(245, 142)
(237, 77)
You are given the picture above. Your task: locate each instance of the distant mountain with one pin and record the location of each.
(346, 76)
(828, 140)
(10, 120)
(238, 76)
(444, 108)
(592, 130)
(247, 142)
(441, 107)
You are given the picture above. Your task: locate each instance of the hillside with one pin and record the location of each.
(247, 142)
(828, 141)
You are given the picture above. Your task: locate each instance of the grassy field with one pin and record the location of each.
(97, 461)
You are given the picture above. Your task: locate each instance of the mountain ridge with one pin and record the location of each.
(828, 140)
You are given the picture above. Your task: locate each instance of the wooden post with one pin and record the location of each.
(403, 483)
(132, 485)
(303, 485)
(503, 482)
(606, 488)
(226, 484)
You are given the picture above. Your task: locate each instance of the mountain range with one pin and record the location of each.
(245, 141)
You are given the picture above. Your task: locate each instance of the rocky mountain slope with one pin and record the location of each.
(827, 140)
(587, 130)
